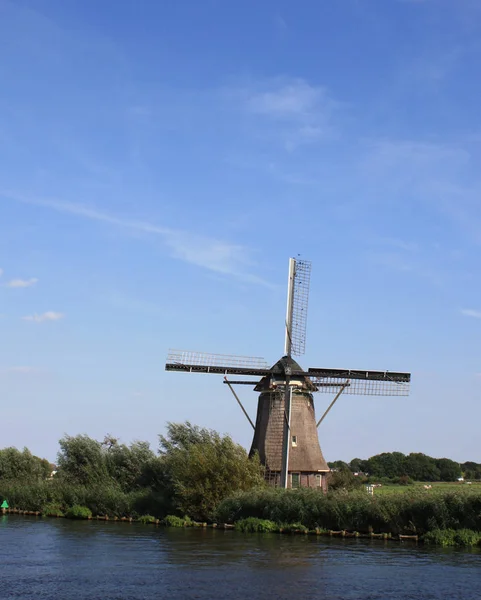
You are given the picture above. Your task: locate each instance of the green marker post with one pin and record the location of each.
(4, 507)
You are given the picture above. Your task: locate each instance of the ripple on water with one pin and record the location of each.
(60, 559)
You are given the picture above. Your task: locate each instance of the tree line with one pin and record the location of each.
(190, 473)
(416, 466)
(192, 470)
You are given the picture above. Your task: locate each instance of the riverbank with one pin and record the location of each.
(440, 537)
(418, 514)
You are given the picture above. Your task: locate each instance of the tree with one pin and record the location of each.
(448, 469)
(358, 465)
(23, 466)
(338, 465)
(421, 467)
(126, 464)
(85, 461)
(82, 460)
(471, 470)
(182, 436)
(202, 468)
(343, 479)
(387, 464)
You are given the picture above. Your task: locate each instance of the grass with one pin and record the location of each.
(78, 512)
(451, 537)
(147, 519)
(254, 525)
(415, 511)
(436, 486)
(174, 521)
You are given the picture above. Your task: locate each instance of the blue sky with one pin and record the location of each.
(160, 162)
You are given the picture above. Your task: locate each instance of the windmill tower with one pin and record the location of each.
(285, 431)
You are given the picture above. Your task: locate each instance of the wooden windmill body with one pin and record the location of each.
(286, 430)
(307, 465)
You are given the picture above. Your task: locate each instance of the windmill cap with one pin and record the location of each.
(286, 362)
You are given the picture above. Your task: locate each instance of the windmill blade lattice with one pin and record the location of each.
(302, 279)
(361, 387)
(204, 362)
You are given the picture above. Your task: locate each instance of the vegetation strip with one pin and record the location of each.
(440, 537)
(199, 473)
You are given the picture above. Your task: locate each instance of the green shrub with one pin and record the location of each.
(467, 537)
(451, 537)
(440, 537)
(254, 525)
(52, 510)
(26, 496)
(173, 521)
(78, 512)
(293, 528)
(146, 519)
(101, 499)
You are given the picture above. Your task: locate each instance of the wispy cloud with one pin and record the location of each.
(470, 312)
(216, 255)
(1, 272)
(291, 109)
(407, 257)
(282, 100)
(22, 283)
(47, 316)
(418, 159)
(441, 176)
(22, 370)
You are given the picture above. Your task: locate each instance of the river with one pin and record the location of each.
(45, 559)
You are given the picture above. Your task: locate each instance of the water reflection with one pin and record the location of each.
(56, 558)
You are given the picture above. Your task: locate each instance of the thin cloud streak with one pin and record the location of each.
(470, 312)
(47, 316)
(293, 99)
(21, 370)
(21, 283)
(215, 255)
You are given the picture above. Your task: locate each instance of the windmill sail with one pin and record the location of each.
(362, 383)
(297, 304)
(203, 362)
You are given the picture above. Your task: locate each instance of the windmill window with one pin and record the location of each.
(294, 441)
(296, 480)
(318, 480)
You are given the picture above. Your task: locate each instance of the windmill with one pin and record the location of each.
(285, 431)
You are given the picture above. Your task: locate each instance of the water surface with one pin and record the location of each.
(64, 560)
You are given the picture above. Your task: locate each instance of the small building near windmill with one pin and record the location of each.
(307, 465)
